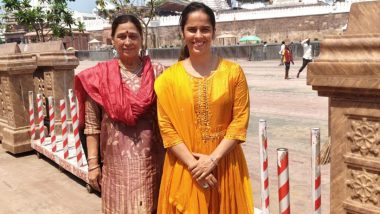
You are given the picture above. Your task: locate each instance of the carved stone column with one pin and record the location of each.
(348, 72)
(15, 81)
(55, 73)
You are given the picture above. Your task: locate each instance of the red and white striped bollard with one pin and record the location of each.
(65, 144)
(31, 116)
(41, 118)
(264, 166)
(75, 122)
(283, 180)
(52, 124)
(316, 170)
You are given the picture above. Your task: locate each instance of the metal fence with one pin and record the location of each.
(249, 52)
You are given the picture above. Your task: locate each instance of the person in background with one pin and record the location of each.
(203, 112)
(307, 55)
(281, 52)
(265, 46)
(288, 58)
(117, 107)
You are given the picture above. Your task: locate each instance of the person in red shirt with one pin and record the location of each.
(288, 58)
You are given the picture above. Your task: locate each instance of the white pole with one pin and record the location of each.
(31, 116)
(264, 166)
(316, 170)
(75, 122)
(65, 145)
(283, 181)
(52, 124)
(41, 118)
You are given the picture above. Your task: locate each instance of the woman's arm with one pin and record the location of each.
(92, 131)
(236, 131)
(183, 154)
(174, 144)
(94, 172)
(207, 163)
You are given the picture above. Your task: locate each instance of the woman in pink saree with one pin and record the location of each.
(117, 109)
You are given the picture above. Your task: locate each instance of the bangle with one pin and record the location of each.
(92, 157)
(94, 167)
(213, 161)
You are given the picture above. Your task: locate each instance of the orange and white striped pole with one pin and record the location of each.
(283, 181)
(52, 124)
(264, 166)
(41, 119)
(75, 121)
(65, 144)
(31, 116)
(316, 170)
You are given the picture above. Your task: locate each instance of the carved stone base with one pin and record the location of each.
(2, 125)
(16, 140)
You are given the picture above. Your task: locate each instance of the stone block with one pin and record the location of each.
(53, 46)
(348, 72)
(9, 48)
(16, 140)
(15, 82)
(358, 25)
(44, 68)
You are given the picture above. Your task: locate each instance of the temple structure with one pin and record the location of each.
(347, 71)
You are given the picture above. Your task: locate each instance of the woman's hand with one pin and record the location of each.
(209, 181)
(158, 69)
(95, 176)
(205, 165)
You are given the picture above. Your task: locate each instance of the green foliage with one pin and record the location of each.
(2, 24)
(56, 19)
(145, 14)
(81, 27)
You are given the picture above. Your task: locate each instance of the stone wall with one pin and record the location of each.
(270, 30)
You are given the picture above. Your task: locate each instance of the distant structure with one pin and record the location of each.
(13, 32)
(216, 4)
(78, 41)
(273, 21)
(92, 21)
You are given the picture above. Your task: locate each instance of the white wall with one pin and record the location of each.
(266, 13)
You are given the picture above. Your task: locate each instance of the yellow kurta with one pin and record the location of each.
(200, 112)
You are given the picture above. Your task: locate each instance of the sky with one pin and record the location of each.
(78, 5)
(82, 5)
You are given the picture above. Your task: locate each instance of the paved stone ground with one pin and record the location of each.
(36, 186)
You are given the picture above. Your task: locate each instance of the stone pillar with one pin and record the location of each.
(55, 73)
(15, 81)
(348, 72)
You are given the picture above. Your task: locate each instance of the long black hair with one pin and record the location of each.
(193, 7)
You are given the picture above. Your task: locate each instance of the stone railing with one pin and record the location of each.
(44, 68)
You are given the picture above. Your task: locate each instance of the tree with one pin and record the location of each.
(55, 18)
(81, 27)
(144, 13)
(2, 26)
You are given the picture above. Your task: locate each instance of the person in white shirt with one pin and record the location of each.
(307, 54)
(282, 53)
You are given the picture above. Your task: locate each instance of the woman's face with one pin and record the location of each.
(127, 40)
(198, 33)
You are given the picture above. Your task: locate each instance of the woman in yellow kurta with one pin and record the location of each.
(203, 113)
